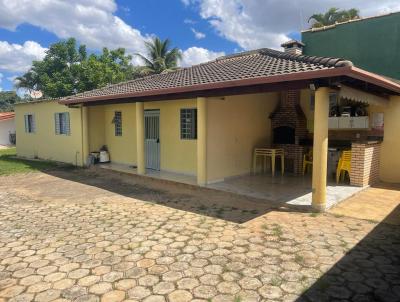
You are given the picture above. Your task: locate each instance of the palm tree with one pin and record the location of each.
(160, 58)
(332, 16)
(27, 81)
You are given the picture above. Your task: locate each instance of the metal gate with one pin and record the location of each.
(152, 139)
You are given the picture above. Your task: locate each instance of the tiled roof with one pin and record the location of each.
(6, 116)
(259, 63)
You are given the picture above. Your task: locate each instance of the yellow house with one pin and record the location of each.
(207, 121)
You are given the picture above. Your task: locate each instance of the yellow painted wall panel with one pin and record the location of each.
(44, 143)
(390, 159)
(122, 148)
(176, 154)
(236, 125)
(96, 128)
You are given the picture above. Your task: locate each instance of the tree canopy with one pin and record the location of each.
(7, 100)
(332, 16)
(159, 57)
(67, 69)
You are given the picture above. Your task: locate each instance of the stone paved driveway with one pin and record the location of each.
(83, 236)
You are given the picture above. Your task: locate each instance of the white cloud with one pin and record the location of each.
(186, 2)
(197, 34)
(1, 79)
(92, 22)
(254, 23)
(17, 57)
(197, 55)
(189, 21)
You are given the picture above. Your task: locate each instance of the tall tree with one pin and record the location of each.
(67, 69)
(7, 100)
(159, 57)
(332, 16)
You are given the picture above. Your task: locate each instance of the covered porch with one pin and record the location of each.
(288, 190)
(222, 154)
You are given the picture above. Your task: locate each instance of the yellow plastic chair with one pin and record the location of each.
(307, 160)
(344, 165)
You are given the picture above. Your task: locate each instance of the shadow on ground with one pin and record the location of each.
(368, 272)
(203, 201)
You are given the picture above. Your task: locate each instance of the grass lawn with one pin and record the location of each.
(10, 165)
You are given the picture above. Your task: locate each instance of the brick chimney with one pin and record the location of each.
(293, 47)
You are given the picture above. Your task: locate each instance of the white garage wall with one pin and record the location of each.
(6, 127)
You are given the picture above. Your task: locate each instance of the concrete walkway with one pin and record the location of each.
(89, 236)
(380, 203)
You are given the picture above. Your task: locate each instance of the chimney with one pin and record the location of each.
(293, 47)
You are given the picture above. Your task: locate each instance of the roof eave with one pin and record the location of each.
(373, 78)
(298, 76)
(349, 71)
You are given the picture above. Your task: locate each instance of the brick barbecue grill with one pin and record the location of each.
(289, 127)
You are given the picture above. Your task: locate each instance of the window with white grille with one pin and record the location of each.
(30, 126)
(117, 120)
(189, 123)
(62, 123)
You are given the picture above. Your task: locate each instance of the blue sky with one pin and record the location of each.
(202, 29)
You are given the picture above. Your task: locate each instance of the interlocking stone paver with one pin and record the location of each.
(180, 296)
(172, 276)
(154, 298)
(11, 291)
(32, 279)
(270, 292)
(228, 287)
(22, 298)
(63, 283)
(205, 291)
(100, 288)
(163, 288)
(66, 241)
(73, 292)
(148, 280)
(187, 283)
(139, 292)
(113, 296)
(210, 279)
(112, 276)
(88, 280)
(78, 273)
(48, 295)
(38, 287)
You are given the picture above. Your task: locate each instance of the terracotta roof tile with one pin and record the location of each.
(6, 116)
(246, 65)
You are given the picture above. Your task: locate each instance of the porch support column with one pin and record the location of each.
(141, 166)
(320, 150)
(85, 135)
(201, 141)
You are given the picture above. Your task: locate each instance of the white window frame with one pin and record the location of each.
(188, 124)
(117, 121)
(30, 125)
(62, 123)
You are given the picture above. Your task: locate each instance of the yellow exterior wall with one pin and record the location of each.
(96, 128)
(176, 155)
(122, 148)
(305, 104)
(235, 125)
(44, 143)
(390, 160)
(102, 132)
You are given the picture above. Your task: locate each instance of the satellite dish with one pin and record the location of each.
(36, 94)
